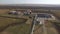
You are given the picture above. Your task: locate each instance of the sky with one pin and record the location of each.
(29, 1)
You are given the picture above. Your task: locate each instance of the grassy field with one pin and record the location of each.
(17, 26)
(14, 26)
(19, 29)
(6, 21)
(57, 14)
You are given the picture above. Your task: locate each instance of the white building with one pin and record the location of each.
(44, 16)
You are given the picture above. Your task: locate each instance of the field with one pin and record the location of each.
(10, 24)
(13, 25)
(18, 29)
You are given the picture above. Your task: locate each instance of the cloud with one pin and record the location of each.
(29, 1)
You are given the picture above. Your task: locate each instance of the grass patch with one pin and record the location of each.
(16, 29)
(6, 21)
(19, 29)
(55, 22)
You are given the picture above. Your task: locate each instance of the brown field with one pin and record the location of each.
(3, 11)
(57, 13)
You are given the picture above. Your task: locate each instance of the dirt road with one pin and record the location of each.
(50, 29)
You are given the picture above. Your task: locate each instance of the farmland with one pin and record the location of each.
(11, 24)
(14, 25)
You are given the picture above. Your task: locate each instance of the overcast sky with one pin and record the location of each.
(29, 1)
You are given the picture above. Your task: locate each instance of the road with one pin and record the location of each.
(48, 26)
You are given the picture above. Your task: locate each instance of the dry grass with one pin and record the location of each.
(3, 11)
(19, 29)
(6, 21)
(57, 13)
(16, 29)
